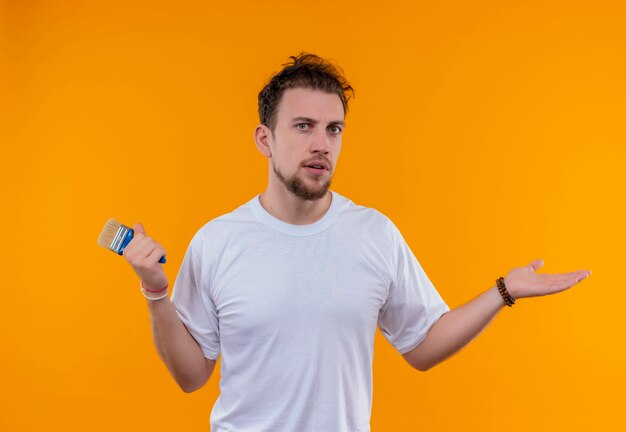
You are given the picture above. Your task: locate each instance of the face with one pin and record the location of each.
(305, 145)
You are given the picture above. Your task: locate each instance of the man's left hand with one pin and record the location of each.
(525, 282)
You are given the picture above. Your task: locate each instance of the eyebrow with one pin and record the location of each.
(313, 121)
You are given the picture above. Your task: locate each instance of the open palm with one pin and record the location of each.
(525, 282)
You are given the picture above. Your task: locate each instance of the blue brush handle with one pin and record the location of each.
(129, 236)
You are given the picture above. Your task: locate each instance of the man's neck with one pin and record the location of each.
(287, 207)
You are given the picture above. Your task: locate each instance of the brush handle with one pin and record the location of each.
(129, 236)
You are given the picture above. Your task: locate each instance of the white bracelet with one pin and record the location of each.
(145, 293)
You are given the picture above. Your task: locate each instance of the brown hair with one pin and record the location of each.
(304, 71)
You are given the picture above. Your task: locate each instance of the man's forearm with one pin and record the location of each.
(455, 329)
(179, 350)
(458, 327)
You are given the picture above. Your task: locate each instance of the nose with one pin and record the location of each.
(320, 142)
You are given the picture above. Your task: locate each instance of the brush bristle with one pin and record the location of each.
(109, 230)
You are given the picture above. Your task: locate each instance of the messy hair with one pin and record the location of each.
(304, 71)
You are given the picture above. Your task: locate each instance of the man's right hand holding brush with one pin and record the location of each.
(179, 350)
(143, 254)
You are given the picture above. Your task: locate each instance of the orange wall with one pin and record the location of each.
(491, 132)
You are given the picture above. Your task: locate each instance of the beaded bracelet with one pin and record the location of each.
(506, 296)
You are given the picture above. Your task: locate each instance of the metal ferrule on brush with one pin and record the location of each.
(123, 236)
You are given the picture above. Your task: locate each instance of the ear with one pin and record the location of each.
(262, 139)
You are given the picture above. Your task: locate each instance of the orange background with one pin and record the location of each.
(492, 133)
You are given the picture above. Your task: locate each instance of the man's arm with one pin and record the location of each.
(460, 326)
(178, 349)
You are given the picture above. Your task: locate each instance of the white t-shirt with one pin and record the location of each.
(293, 309)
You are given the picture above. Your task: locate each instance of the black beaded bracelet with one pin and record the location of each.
(508, 299)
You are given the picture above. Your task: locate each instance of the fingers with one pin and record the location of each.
(582, 274)
(557, 283)
(145, 253)
(577, 276)
(142, 251)
(139, 229)
(155, 255)
(558, 279)
(536, 264)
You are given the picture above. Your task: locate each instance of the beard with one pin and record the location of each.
(296, 186)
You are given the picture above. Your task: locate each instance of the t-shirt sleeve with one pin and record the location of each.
(413, 304)
(193, 303)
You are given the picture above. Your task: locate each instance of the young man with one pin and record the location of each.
(290, 287)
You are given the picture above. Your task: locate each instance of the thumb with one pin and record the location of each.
(535, 265)
(139, 229)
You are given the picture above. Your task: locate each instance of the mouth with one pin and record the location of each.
(319, 166)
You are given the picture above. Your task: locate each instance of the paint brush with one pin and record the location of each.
(115, 237)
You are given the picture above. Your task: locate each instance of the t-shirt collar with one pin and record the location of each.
(267, 219)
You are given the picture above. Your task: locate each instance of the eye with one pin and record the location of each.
(302, 126)
(335, 130)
